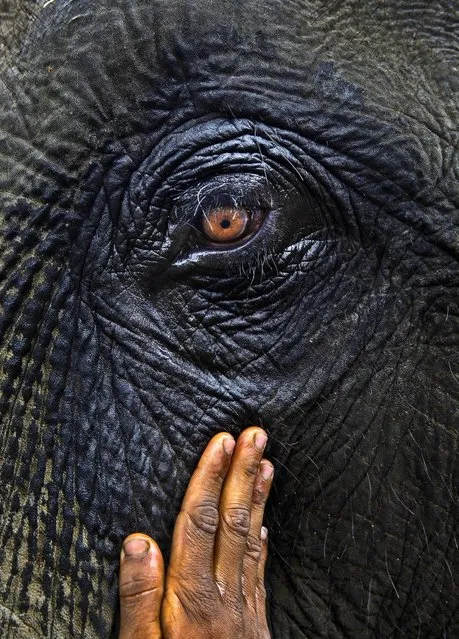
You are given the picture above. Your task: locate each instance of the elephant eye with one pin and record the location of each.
(224, 225)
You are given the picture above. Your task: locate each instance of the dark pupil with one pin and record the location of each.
(225, 224)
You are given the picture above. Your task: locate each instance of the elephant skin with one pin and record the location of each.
(128, 338)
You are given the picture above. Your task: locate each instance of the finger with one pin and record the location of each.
(235, 509)
(141, 586)
(261, 590)
(197, 523)
(253, 551)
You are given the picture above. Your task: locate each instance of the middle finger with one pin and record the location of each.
(235, 509)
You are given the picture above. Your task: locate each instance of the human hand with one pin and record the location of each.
(214, 586)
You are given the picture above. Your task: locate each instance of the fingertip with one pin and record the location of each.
(266, 470)
(137, 545)
(264, 534)
(260, 439)
(254, 436)
(222, 441)
(228, 445)
(262, 486)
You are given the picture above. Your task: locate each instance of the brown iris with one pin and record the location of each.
(225, 224)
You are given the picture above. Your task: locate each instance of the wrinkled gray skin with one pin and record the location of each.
(128, 341)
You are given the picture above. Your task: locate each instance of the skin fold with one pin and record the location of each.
(134, 326)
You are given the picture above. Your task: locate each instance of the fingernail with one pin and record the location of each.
(260, 440)
(264, 533)
(266, 470)
(228, 445)
(136, 547)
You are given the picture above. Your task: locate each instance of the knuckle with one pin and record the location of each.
(253, 547)
(237, 519)
(260, 494)
(196, 597)
(138, 588)
(251, 468)
(205, 518)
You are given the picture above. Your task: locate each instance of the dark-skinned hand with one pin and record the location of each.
(214, 585)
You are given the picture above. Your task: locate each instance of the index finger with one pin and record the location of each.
(197, 523)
